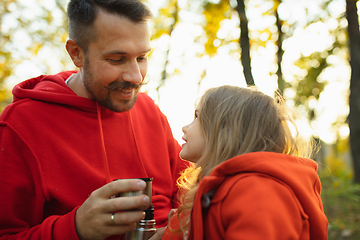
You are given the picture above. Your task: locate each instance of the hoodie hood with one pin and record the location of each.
(300, 174)
(53, 89)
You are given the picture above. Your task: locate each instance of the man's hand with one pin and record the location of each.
(101, 215)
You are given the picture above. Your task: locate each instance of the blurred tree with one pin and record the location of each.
(279, 43)
(245, 43)
(214, 14)
(27, 30)
(217, 11)
(308, 82)
(354, 99)
(165, 24)
(309, 87)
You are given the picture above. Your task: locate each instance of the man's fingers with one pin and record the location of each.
(126, 218)
(121, 186)
(101, 215)
(140, 202)
(120, 223)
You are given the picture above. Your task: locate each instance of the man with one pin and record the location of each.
(66, 137)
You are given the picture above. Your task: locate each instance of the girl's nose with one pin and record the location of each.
(185, 128)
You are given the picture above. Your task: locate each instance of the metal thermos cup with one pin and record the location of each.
(145, 228)
(147, 190)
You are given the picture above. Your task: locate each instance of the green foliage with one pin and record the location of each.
(307, 82)
(261, 37)
(341, 199)
(167, 19)
(214, 14)
(308, 87)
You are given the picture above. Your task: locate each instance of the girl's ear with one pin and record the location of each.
(76, 52)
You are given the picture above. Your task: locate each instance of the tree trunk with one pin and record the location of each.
(280, 52)
(245, 43)
(354, 99)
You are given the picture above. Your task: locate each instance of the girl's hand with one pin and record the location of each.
(171, 213)
(159, 233)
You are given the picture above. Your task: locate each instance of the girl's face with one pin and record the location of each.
(194, 139)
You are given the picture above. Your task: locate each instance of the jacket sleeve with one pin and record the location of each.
(258, 207)
(23, 198)
(173, 231)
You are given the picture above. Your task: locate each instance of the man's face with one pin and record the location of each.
(116, 63)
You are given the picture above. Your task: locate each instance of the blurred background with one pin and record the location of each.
(309, 50)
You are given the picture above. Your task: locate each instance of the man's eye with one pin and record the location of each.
(115, 61)
(141, 58)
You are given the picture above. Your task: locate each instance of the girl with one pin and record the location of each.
(250, 179)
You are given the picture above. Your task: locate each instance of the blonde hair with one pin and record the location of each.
(236, 121)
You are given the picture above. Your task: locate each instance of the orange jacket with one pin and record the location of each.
(259, 195)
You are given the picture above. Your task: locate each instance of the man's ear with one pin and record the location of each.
(76, 52)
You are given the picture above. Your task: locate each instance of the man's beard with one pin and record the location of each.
(96, 89)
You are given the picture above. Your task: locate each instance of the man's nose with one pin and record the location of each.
(132, 73)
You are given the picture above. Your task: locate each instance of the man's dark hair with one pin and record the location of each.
(82, 14)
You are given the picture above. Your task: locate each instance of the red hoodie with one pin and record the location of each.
(56, 148)
(260, 195)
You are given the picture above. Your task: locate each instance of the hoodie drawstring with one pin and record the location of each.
(136, 145)
(137, 150)
(105, 159)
